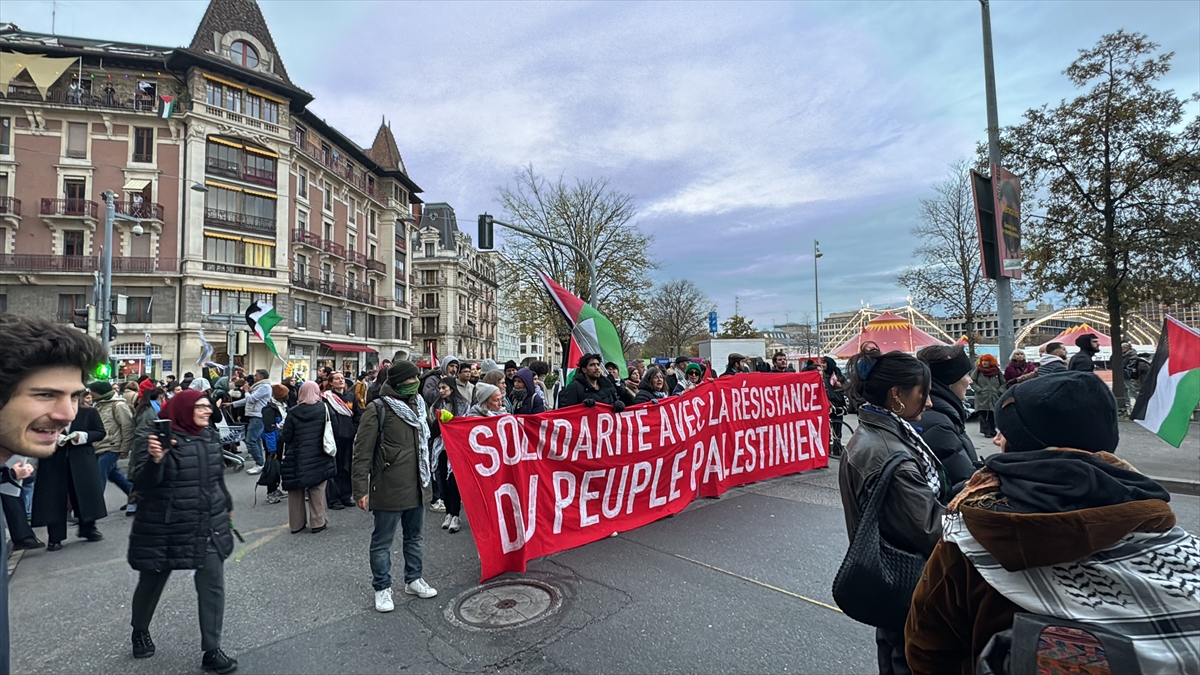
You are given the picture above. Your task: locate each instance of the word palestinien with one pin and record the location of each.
(677, 419)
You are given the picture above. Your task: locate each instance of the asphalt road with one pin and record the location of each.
(735, 585)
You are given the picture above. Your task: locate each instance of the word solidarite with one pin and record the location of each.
(595, 472)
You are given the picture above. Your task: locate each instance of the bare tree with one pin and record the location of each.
(949, 273)
(595, 218)
(680, 313)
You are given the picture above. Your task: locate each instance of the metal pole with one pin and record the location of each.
(232, 344)
(106, 271)
(591, 263)
(1004, 300)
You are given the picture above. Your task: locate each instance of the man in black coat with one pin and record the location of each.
(1089, 346)
(72, 472)
(590, 386)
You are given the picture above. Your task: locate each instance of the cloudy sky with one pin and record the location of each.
(744, 131)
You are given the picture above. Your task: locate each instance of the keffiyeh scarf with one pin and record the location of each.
(414, 418)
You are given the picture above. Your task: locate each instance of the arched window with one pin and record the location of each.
(243, 54)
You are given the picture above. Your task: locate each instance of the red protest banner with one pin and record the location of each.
(537, 484)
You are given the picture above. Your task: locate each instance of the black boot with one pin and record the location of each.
(143, 646)
(218, 662)
(88, 531)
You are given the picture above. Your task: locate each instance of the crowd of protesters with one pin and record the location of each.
(1055, 496)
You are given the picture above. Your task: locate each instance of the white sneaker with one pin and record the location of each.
(455, 524)
(383, 600)
(419, 588)
(438, 507)
(446, 521)
(254, 471)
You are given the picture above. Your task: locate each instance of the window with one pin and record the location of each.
(302, 220)
(5, 135)
(429, 325)
(214, 301)
(327, 202)
(76, 193)
(234, 252)
(73, 242)
(302, 264)
(328, 234)
(372, 251)
(302, 184)
(222, 159)
(372, 328)
(299, 314)
(429, 250)
(137, 310)
(326, 272)
(351, 242)
(258, 169)
(326, 317)
(351, 321)
(398, 292)
(374, 215)
(429, 277)
(399, 263)
(3, 303)
(143, 145)
(67, 304)
(404, 329)
(229, 98)
(77, 133)
(243, 54)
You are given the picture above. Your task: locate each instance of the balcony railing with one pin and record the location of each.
(399, 274)
(10, 206)
(400, 243)
(356, 258)
(250, 174)
(256, 175)
(303, 236)
(377, 266)
(84, 99)
(337, 285)
(239, 221)
(436, 280)
(232, 268)
(400, 304)
(147, 210)
(331, 161)
(333, 248)
(26, 262)
(76, 208)
(144, 265)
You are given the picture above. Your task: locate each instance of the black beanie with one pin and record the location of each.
(1065, 410)
(401, 371)
(952, 370)
(510, 364)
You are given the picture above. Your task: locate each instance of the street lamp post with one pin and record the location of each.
(817, 290)
(1004, 302)
(591, 263)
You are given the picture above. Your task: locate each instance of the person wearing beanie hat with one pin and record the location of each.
(201, 385)
(117, 418)
(944, 426)
(391, 476)
(510, 372)
(1089, 346)
(488, 401)
(1051, 526)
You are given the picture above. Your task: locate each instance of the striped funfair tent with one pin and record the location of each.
(963, 341)
(891, 332)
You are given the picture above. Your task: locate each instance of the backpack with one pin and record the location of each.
(1133, 368)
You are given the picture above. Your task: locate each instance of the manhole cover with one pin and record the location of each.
(506, 604)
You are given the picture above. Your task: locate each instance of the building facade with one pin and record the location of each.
(987, 325)
(241, 194)
(454, 287)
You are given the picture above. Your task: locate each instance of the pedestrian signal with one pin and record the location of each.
(486, 233)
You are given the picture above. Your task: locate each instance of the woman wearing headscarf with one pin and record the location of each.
(653, 387)
(944, 427)
(305, 467)
(344, 414)
(988, 386)
(448, 405)
(183, 522)
(72, 472)
(526, 396)
(892, 391)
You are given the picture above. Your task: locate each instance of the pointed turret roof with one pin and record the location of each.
(384, 150)
(226, 16)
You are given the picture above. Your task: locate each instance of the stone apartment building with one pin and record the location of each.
(243, 194)
(454, 288)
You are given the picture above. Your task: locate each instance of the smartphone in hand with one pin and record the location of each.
(162, 429)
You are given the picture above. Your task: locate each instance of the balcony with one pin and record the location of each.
(252, 174)
(10, 206)
(69, 208)
(399, 273)
(236, 171)
(400, 304)
(311, 239)
(377, 266)
(356, 258)
(144, 210)
(433, 280)
(128, 265)
(400, 243)
(312, 279)
(333, 248)
(239, 221)
(247, 120)
(233, 268)
(63, 95)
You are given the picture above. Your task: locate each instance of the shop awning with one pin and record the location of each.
(343, 347)
(135, 185)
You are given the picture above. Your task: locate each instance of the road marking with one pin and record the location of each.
(759, 583)
(259, 542)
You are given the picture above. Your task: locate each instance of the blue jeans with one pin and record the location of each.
(413, 521)
(109, 472)
(254, 432)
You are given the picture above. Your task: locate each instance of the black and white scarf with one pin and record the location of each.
(418, 420)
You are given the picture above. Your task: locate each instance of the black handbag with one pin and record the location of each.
(875, 582)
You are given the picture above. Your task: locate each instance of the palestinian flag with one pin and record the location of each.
(433, 362)
(1172, 388)
(166, 106)
(261, 318)
(591, 331)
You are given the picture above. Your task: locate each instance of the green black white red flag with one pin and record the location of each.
(591, 331)
(1172, 388)
(261, 318)
(166, 106)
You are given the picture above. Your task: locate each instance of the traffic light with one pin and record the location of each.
(242, 343)
(486, 233)
(105, 370)
(80, 316)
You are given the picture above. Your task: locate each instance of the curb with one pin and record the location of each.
(1179, 486)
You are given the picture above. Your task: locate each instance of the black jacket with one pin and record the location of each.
(911, 516)
(1082, 361)
(344, 426)
(182, 504)
(77, 465)
(304, 462)
(578, 391)
(645, 394)
(944, 428)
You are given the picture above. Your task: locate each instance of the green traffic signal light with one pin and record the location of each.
(103, 372)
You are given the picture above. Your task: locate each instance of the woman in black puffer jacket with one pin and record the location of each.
(653, 387)
(182, 522)
(944, 428)
(305, 466)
